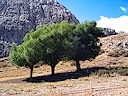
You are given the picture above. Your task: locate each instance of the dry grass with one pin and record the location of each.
(101, 61)
(61, 88)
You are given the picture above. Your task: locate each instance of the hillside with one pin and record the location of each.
(104, 76)
(114, 42)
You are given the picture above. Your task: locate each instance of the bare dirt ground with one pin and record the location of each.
(67, 81)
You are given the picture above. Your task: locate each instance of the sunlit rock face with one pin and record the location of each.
(17, 17)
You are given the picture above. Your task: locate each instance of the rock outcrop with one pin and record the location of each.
(123, 45)
(4, 48)
(109, 31)
(115, 43)
(17, 17)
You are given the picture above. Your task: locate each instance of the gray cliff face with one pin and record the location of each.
(4, 48)
(17, 17)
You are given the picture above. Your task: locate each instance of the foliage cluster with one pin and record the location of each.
(56, 42)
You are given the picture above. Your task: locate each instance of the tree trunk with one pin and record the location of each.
(53, 70)
(31, 71)
(78, 65)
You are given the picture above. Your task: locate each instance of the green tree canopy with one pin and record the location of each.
(25, 55)
(51, 44)
(55, 45)
(85, 39)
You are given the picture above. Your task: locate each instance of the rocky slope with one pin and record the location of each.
(115, 42)
(17, 17)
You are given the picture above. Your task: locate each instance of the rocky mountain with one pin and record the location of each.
(17, 17)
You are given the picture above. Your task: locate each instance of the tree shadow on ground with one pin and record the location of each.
(65, 75)
(100, 71)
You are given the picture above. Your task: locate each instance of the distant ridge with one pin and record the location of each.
(109, 31)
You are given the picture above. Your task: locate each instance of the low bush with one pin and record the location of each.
(111, 71)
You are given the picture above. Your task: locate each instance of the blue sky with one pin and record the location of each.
(93, 9)
(107, 13)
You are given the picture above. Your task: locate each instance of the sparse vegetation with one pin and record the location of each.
(111, 71)
(12, 79)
